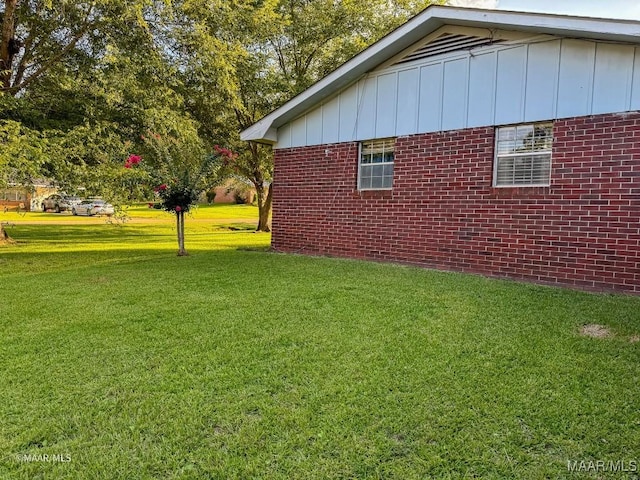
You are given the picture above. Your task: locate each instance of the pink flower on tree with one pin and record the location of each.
(132, 160)
(178, 208)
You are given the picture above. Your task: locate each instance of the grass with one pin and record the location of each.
(235, 363)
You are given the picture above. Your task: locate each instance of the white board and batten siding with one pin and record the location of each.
(524, 81)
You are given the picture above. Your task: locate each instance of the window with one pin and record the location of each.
(523, 155)
(376, 164)
(13, 195)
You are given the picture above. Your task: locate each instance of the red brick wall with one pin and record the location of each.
(583, 231)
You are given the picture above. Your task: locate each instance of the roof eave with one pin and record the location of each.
(261, 132)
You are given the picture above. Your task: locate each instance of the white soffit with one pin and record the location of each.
(424, 24)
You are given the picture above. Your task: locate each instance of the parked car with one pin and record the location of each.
(93, 207)
(59, 203)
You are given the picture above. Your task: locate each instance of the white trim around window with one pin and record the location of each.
(375, 164)
(523, 155)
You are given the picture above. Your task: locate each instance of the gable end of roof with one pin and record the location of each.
(424, 24)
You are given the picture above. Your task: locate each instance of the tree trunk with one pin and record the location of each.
(180, 227)
(264, 207)
(8, 43)
(4, 236)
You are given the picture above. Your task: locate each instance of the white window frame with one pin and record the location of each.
(384, 143)
(546, 155)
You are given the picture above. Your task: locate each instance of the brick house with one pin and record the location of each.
(25, 198)
(500, 143)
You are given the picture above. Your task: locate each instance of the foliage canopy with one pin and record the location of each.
(81, 81)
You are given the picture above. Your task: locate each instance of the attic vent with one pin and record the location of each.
(446, 43)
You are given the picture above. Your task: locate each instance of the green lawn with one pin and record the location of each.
(237, 363)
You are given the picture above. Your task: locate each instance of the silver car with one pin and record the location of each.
(93, 207)
(59, 203)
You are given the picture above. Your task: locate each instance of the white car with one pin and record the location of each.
(93, 207)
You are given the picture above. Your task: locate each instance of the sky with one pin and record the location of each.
(628, 9)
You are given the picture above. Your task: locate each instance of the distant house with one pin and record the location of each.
(25, 198)
(231, 191)
(493, 142)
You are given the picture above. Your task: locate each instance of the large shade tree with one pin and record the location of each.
(55, 38)
(243, 59)
(83, 79)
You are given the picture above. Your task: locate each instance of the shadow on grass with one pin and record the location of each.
(109, 232)
(80, 233)
(42, 248)
(237, 227)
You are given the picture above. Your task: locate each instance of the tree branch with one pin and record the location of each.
(281, 59)
(56, 58)
(26, 56)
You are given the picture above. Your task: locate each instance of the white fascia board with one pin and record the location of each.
(262, 131)
(426, 22)
(562, 25)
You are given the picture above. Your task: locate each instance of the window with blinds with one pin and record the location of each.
(375, 170)
(523, 155)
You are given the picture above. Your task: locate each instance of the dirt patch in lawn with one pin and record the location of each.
(595, 331)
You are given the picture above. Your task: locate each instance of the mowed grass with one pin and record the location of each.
(237, 363)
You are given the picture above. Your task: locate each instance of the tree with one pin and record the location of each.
(90, 76)
(87, 76)
(244, 59)
(45, 38)
(22, 153)
(179, 170)
(254, 165)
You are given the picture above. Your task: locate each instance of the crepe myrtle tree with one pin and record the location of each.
(178, 173)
